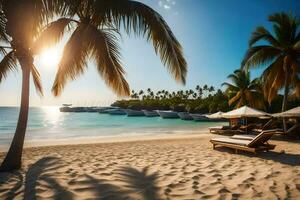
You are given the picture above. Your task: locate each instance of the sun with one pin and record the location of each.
(50, 58)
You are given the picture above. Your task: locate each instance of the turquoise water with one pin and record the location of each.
(48, 123)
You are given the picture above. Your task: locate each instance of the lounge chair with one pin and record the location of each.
(254, 144)
(225, 130)
(248, 127)
(251, 136)
(217, 128)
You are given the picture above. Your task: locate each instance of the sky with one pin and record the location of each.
(214, 35)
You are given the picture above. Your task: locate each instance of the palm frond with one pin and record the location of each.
(105, 51)
(37, 80)
(229, 85)
(7, 64)
(88, 40)
(142, 20)
(51, 34)
(3, 35)
(259, 56)
(25, 19)
(73, 61)
(263, 34)
(285, 27)
(55, 7)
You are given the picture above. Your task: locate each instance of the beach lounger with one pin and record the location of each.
(217, 128)
(243, 137)
(225, 130)
(251, 136)
(254, 145)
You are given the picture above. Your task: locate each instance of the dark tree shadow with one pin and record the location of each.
(104, 190)
(59, 191)
(137, 183)
(40, 170)
(17, 179)
(140, 182)
(283, 158)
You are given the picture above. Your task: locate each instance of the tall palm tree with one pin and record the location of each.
(242, 91)
(20, 23)
(279, 55)
(97, 26)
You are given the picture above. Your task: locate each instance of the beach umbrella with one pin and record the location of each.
(245, 112)
(295, 112)
(217, 115)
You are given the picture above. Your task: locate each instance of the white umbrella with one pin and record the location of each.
(217, 115)
(295, 112)
(244, 112)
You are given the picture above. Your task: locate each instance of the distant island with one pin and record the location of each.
(203, 99)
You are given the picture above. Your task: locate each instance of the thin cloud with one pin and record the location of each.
(167, 4)
(167, 7)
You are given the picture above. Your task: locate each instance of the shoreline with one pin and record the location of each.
(110, 139)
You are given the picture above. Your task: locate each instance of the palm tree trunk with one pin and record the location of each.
(13, 158)
(285, 97)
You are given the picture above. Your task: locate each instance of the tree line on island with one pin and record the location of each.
(206, 99)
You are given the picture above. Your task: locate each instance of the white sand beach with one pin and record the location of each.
(178, 168)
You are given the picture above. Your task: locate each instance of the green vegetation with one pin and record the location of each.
(279, 54)
(203, 100)
(244, 91)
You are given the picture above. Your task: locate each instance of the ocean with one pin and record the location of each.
(48, 123)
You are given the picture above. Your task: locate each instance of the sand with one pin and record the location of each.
(182, 168)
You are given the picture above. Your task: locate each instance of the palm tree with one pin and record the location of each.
(211, 89)
(97, 26)
(280, 56)
(141, 92)
(200, 91)
(242, 91)
(20, 23)
(134, 95)
(149, 90)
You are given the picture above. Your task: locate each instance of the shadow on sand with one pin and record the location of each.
(134, 182)
(141, 182)
(42, 170)
(283, 158)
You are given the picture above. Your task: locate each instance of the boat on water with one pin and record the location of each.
(105, 110)
(200, 118)
(149, 113)
(78, 109)
(65, 108)
(185, 116)
(168, 114)
(117, 111)
(134, 113)
(91, 109)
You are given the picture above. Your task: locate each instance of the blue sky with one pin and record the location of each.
(214, 35)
